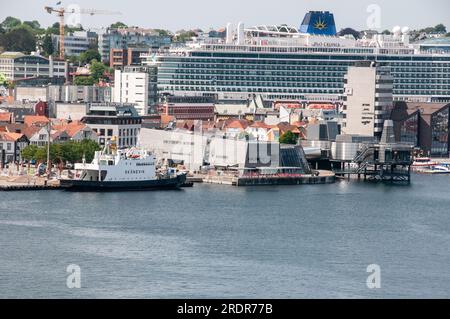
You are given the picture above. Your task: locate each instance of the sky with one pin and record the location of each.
(188, 14)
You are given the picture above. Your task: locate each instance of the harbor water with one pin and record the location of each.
(217, 241)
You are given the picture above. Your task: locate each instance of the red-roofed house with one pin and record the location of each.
(234, 127)
(6, 117)
(32, 120)
(36, 135)
(11, 146)
(260, 131)
(285, 127)
(74, 131)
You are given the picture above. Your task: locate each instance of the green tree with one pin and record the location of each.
(33, 24)
(41, 154)
(98, 70)
(10, 84)
(163, 33)
(54, 29)
(84, 80)
(89, 55)
(47, 45)
(440, 28)
(185, 36)
(3, 80)
(350, 31)
(118, 25)
(69, 152)
(29, 152)
(88, 149)
(19, 39)
(10, 23)
(288, 138)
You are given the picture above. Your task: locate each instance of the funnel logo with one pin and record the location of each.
(320, 24)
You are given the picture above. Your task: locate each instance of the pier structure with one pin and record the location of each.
(385, 161)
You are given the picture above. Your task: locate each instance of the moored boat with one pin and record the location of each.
(422, 162)
(130, 169)
(438, 169)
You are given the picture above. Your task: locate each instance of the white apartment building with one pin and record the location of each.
(133, 86)
(16, 65)
(368, 99)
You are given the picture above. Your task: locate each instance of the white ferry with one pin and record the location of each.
(131, 169)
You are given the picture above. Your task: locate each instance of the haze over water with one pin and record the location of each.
(225, 242)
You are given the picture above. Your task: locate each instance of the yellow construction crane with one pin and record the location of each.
(61, 13)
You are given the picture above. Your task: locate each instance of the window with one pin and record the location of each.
(8, 146)
(110, 132)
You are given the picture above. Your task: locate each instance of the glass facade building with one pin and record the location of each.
(440, 133)
(409, 131)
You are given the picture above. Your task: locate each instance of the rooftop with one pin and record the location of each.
(11, 55)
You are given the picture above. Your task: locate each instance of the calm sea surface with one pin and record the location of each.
(224, 242)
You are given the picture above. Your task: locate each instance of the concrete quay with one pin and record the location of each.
(323, 177)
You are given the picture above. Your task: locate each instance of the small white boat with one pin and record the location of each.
(422, 162)
(438, 169)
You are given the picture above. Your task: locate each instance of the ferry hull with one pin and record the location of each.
(96, 186)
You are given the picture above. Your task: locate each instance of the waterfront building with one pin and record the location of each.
(284, 63)
(195, 151)
(75, 43)
(123, 38)
(181, 146)
(110, 120)
(17, 66)
(424, 125)
(11, 146)
(367, 99)
(136, 85)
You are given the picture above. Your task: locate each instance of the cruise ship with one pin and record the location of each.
(307, 63)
